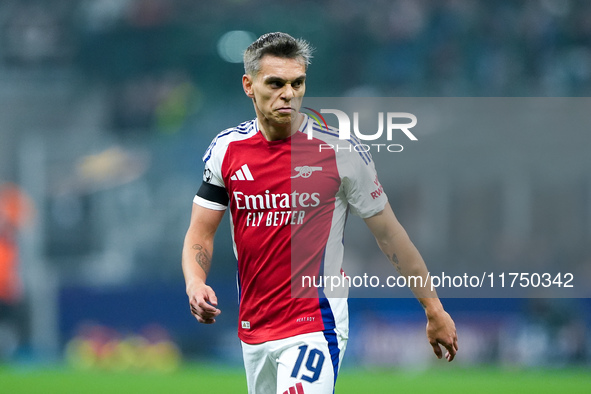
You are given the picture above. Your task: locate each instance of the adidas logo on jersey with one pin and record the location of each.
(243, 174)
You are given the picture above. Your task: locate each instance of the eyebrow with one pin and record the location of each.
(282, 80)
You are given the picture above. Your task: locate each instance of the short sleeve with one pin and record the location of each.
(363, 190)
(212, 193)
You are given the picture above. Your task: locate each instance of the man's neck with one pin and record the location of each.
(274, 131)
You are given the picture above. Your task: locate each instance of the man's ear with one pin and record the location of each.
(247, 85)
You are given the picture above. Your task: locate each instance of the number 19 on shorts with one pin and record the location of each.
(314, 361)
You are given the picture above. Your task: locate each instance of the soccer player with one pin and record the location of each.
(288, 202)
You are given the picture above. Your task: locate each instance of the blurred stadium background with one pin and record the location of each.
(107, 106)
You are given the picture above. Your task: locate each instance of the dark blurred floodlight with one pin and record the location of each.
(232, 44)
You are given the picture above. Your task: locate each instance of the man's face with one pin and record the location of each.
(277, 89)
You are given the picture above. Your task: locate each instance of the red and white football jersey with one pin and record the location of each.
(288, 202)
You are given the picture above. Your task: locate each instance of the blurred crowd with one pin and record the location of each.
(159, 57)
(400, 47)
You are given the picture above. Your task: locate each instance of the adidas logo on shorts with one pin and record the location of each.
(297, 389)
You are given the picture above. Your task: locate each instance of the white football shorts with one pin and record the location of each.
(303, 364)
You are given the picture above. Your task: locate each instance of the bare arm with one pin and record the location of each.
(397, 246)
(196, 262)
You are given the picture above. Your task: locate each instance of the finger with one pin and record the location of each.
(450, 355)
(200, 319)
(208, 313)
(211, 297)
(451, 351)
(437, 349)
(205, 314)
(203, 317)
(203, 320)
(205, 306)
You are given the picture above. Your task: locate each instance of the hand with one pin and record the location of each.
(203, 304)
(441, 330)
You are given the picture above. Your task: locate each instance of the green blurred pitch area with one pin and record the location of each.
(200, 378)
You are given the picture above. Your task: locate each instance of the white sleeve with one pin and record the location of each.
(212, 193)
(365, 194)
